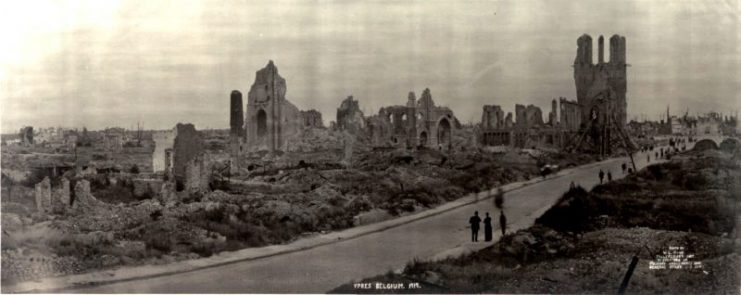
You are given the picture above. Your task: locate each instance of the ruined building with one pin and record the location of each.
(419, 123)
(271, 121)
(529, 116)
(601, 87)
(312, 118)
(26, 135)
(187, 145)
(236, 115)
(349, 116)
(570, 114)
(529, 130)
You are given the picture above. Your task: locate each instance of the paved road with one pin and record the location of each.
(323, 268)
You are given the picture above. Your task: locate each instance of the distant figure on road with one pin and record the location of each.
(609, 175)
(648, 158)
(487, 228)
(572, 186)
(601, 176)
(475, 221)
(502, 221)
(656, 155)
(630, 170)
(624, 167)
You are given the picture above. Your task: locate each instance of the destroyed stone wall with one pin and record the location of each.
(271, 120)
(570, 114)
(349, 116)
(43, 195)
(526, 117)
(26, 135)
(601, 82)
(60, 200)
(163, 140)
(553, 115)
(418, 123)
(236, 114)
(198, 175)
(143, 187)
(187, 145)
(312, 118)
(493, 117)
(84, 199)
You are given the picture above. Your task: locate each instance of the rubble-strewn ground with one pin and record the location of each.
(585, 243)
(273, 199)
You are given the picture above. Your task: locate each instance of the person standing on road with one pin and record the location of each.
(475, 221)
(487, 228)
(624, 167)
(609, 175)
(648, 158)
(601, 176)
(502, 222)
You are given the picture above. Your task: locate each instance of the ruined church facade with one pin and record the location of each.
(271, 121)
(419, 123)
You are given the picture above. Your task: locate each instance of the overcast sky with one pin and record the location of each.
(113, 63)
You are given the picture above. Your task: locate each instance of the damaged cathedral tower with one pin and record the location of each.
(601, 87)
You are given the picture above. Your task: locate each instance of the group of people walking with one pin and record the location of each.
(475, 222)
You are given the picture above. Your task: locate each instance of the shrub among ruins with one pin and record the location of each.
(134, 169)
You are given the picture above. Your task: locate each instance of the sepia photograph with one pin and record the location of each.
(370, 147)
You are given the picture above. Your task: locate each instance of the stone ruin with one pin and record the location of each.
(26, 135)
(43, 195)
(187, 145)
(349, 116)
(570, 114)
(271, 121)
(419, 123)
(84, 199)
(312, 118)
(526, 117)
(197, 175)
(236, 115)
(601, 87)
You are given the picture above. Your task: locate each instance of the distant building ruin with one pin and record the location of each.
(271, 121)
(187, 145)
(349, 116)
(419, 123)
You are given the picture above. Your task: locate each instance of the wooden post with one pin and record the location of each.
(628, 274)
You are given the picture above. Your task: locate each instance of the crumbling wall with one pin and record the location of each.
(43, 195)
(84, 199)
(187, 145)
(26, 135)
(60, 200)
(312, 118)
(143, 187)
(529, 116)
(349, 116)
(570, 114)
(198, 175)
(272, 122)
(163, 140)
(492, 117)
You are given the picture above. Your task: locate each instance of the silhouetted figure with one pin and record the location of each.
(630, 170)
(624, 167)
(572, 186)
(502, 222)
(609, 175)
(601, 176)
(656, 155)
(648, 158)
(487, 228)
(475, 221)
